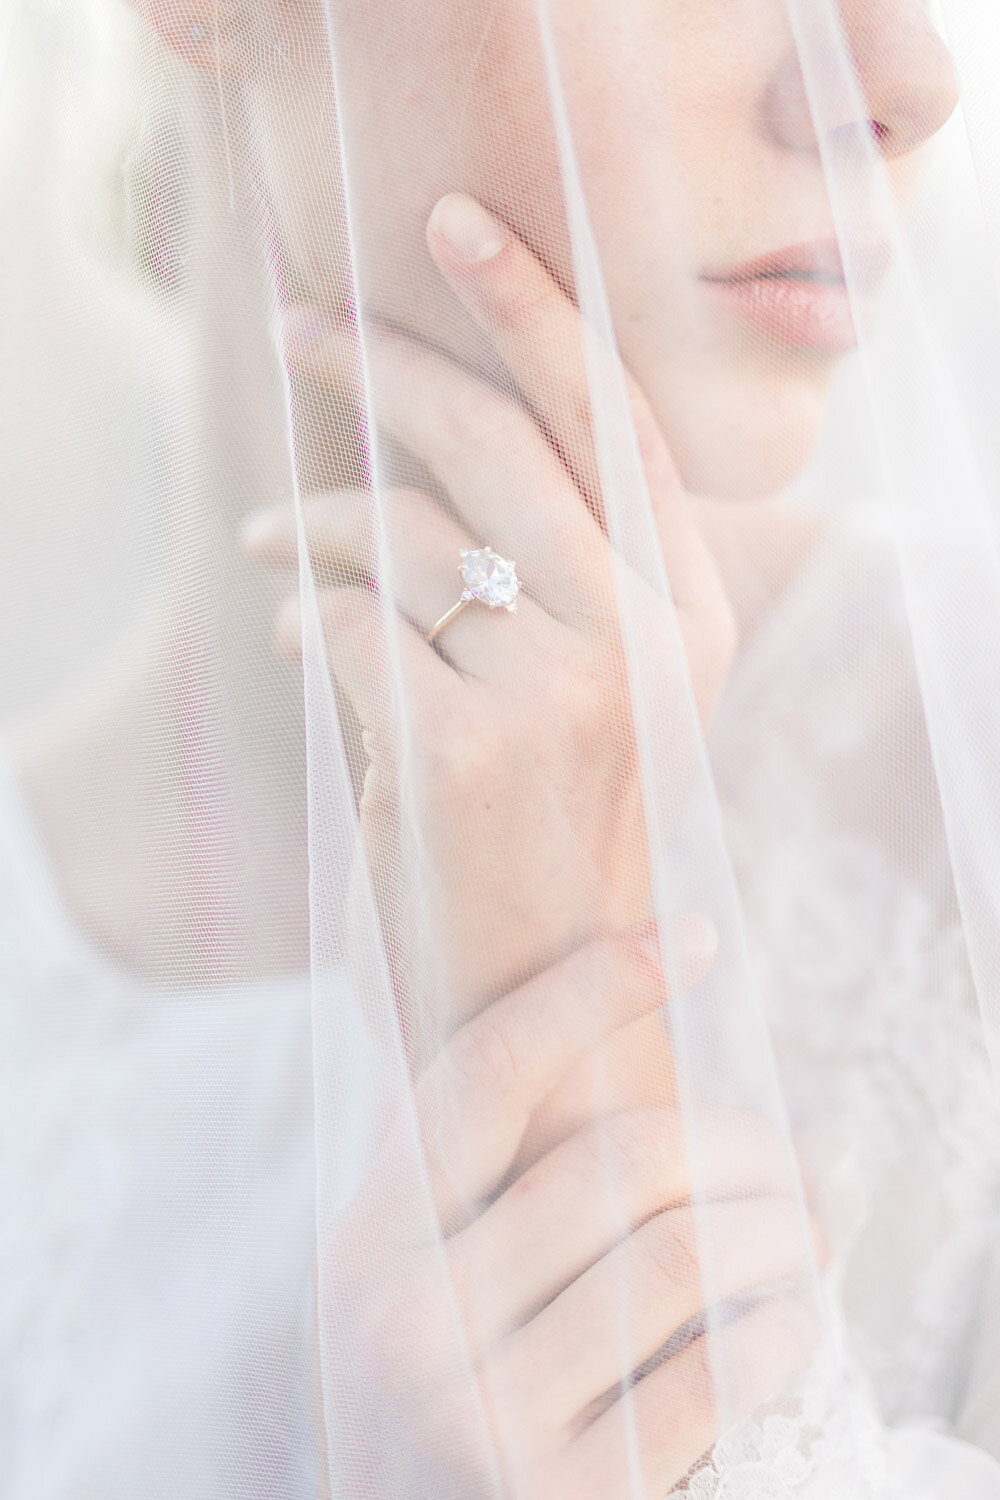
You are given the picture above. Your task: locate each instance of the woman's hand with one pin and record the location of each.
(522, 762)
(572, 1277)
(561, 1219)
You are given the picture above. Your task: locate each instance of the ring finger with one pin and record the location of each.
(422, 569)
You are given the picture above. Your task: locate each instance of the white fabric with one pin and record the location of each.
(317, 941)
(158, 1178)
(892, 1131)
(158, 1147)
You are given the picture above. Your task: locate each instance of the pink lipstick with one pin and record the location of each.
(799, 297)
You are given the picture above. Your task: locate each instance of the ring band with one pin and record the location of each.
(446, 619)
(489, 579)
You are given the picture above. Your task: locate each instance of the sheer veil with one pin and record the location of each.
(545, 1047)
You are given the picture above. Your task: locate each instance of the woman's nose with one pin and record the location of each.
(904, 75)
(905, 70)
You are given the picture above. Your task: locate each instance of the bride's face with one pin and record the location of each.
(704, 180)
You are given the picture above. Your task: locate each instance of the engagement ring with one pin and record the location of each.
(488, 578)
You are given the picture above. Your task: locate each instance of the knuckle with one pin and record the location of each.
(379, 796)
(681, 1429)
(640, 972)
(463, 753)
(821, 1245)
(711, 642)
(722, 634)
(578, 695)
(667, 1246)
(380, 743)
(769, 1144)
(667, 1154)
(693, 1409)
(760, 1155)
(785, 1336)
(634, 1139)
(288, 625)
(523, 306)
(475, 417)
(482, 1059)
(581, 415)
(342, 610)
(462, 1277)
(718, 642)
(726, 633)
(407, 1325)
(652, 447)
(800, 1332)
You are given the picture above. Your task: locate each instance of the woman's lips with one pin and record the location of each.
(799, 296)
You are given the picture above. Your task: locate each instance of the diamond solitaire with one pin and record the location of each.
(489, 578)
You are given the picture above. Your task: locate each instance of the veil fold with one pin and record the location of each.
(535, 1050)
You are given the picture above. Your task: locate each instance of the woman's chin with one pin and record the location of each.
(746, 443)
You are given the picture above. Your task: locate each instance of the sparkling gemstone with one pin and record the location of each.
(489, 577)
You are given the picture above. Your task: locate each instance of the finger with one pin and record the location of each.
(670, 1419)
(507, 484)
(475, 1100)
(571, 1208)
(305, 327)
(533, 324)
(540, 335)
(542, 339)
(360, 659)
(623, 1310)
(339, 529)
(421, 570)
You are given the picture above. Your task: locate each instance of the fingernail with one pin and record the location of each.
(304, 327)
(471, 234)
(688, 943)
(288, 630)
(258, 528)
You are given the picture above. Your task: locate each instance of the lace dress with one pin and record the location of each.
(856, 939)
(157, 1159)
